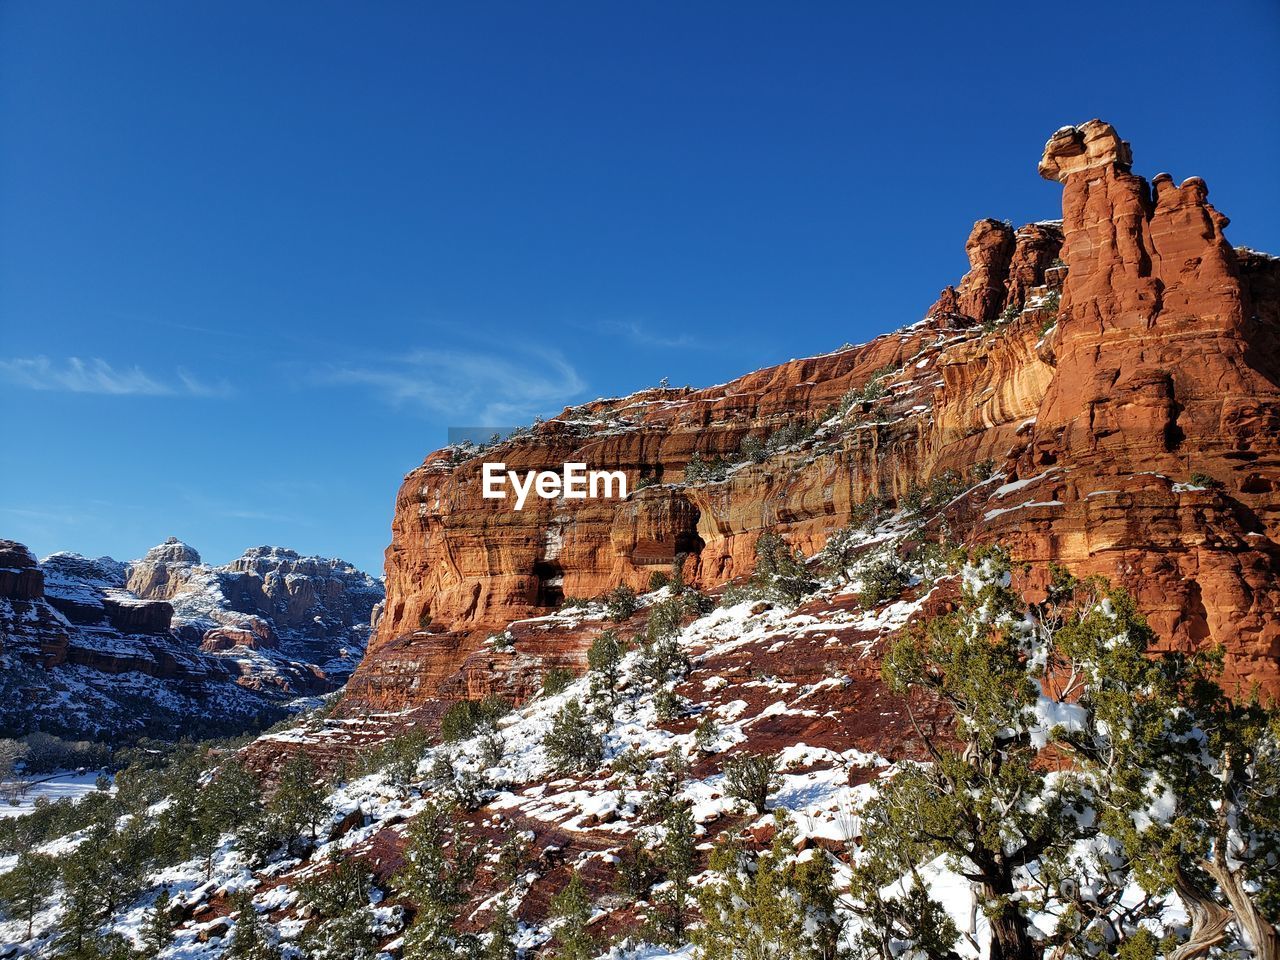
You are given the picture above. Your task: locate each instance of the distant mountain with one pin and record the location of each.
(170, 646)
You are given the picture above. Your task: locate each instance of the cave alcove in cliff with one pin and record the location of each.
(549, 577)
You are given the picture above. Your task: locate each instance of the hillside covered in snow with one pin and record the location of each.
(766, 773)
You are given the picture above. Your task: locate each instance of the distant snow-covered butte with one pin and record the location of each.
(170, 646)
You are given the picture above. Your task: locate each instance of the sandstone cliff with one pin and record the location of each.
(1118, 369)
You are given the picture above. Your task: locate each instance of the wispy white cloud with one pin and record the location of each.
(641, 335)
(199, 388)
(95, 375)
(471, 388)
(64, 516)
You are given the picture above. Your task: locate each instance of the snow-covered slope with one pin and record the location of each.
(756, 699)
(800, 683)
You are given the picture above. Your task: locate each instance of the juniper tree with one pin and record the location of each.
(439, 869)
(571, 907)
(698, 470)
(882, 580)
(108, 945)
(202, 840)
(668, 705)
(181, 826)
(298, 805)
(572, 744)
(260, 836)
(638, 868)
(676, 581)
(83, 909)
(780, 571)
(752, 777)
(909, 916)
(664, 785)
(555, 680)
(605, 661)
(662, 659)
(768, 907)
(500, 943)
(1171, 784)
(233, 796)
(664, 620)
(340, 898)
(512, 857)
(968, 803)
(25, 890)
(678, 860)
(1187, 779)
(840, 551)
(705, 733)
(621, 602)
(101, 875)
(1227, 816)
(398, 758)
(249, 941)
(467, 718)
(157, 925)
(753, 448)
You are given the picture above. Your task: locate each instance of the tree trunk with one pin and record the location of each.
(1009, 937)
(1258, 931)
(1009, 940)
(1209, 919)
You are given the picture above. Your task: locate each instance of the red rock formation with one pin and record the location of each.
(1159, 363)
(1037, 247)
(130, 615)
(982, 292)
(1160, 375)
(69, 631)
(20, 577)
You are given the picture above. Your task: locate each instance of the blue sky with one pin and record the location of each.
(256, 258)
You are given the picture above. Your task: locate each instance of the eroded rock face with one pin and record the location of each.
(982, 292)
(1158, 364)
(1161, 374)
(170, 646)
(1037, 249)
(309, 609)
(1074, 150)
(163, 571)
(20, 578)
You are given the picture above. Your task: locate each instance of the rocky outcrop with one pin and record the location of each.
(1037, 251)
(1097, 367)
(309, 609)
(163, 571)
(1161, 376)
(1005, 265)
(130, 615)
(982, 292)
(20, 578)
(169, 646)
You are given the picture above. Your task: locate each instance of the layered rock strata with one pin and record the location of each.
(1116, 372)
